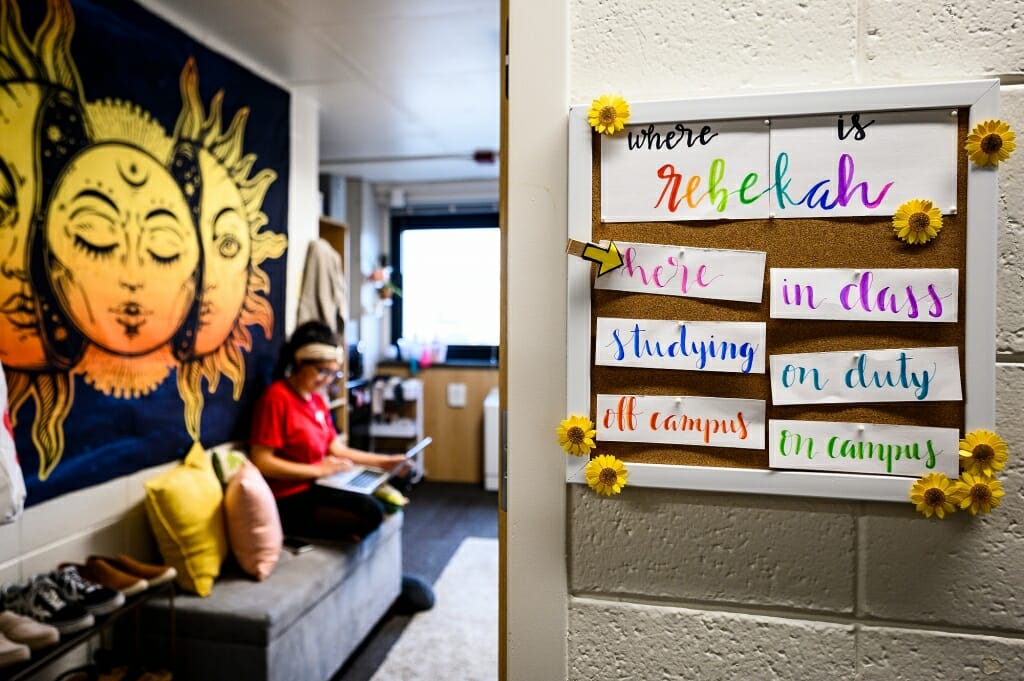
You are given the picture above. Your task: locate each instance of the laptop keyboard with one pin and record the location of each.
(365, 478)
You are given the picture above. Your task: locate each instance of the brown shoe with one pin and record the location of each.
(102, 572)
(154, 574)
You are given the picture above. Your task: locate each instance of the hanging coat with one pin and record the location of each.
(324, 295)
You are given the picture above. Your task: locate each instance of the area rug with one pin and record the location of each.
(458, 637)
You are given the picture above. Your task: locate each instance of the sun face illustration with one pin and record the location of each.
(234, 246)
(123, 249)
(20, 345)
(39, 90)
(126, 253)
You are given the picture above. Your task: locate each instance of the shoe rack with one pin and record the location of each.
(43, 658)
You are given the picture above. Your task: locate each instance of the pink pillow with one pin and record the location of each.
(254, 526)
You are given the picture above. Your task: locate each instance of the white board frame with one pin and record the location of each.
(981, 97)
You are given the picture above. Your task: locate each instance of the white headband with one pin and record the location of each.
(320, 352)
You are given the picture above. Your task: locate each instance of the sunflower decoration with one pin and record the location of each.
(608, 114)
(917, 221)
(606, 475)
(982, 452)
(935, 494)
(979, 493)
(990, 143)
(576, 435)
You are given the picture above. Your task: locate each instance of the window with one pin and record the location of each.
(448, 268)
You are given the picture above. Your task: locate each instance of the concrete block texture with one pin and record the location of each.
(905, 40)
(964, 570)
(665, 49)
(1010, 277)
(609, 641)
(887, 654)
(728, 548)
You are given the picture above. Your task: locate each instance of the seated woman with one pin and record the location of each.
(294, 441)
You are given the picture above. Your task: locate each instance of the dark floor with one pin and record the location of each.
(439, 516)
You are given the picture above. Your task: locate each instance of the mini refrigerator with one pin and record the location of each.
(491, 441)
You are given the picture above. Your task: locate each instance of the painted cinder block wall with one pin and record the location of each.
(667, 584)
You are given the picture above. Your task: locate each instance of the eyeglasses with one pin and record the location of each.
(329, 373)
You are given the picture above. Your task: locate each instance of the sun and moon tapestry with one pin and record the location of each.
(143, 204)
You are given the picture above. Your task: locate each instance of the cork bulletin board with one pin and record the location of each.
(787, 249)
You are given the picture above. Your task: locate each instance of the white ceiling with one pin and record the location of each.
(408, 89)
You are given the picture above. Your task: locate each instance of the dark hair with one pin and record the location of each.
(304, 334)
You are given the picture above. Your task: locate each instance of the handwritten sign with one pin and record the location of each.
(862, 163)
(702, 421)
(736, 347)
(712, 273)
(685, 171)
(863, 448)
(876, 295)
(823, 166)
(900, 375)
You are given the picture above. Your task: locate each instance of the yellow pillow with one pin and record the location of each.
(185, 510)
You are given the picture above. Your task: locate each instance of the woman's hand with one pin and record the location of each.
(333, 464)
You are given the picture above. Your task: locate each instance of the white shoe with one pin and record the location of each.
(11, 652)
(22, 629)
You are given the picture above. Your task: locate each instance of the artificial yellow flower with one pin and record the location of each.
(917, 221)
(979, 493)
(982, 452)
(990, 143)
(608, 114)
(576, 435)
(935, 493)
(606, 475)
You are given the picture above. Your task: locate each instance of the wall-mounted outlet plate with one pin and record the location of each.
(457, 395)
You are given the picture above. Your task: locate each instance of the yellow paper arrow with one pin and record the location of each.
(608, 258)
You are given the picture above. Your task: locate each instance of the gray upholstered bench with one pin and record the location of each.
(300, 624)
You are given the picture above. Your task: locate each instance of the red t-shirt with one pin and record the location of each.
(298, 430)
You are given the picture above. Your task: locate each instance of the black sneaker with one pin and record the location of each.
(40, 600)
(96, 599)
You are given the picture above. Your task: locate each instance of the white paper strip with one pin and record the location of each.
(863, 448)
(685, 171)
(827, 166)
(898, 375)
(704, 421)
(862, 163)
(877, 295)
(687, 272)
(736, 347)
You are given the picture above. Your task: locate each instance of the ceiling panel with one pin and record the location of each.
(463, 109)
(297, 54)
(222, 17)
(319, 12)
(356, 121)
(403, 47)
(393, 78)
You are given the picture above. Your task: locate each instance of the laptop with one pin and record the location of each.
(366, 479)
